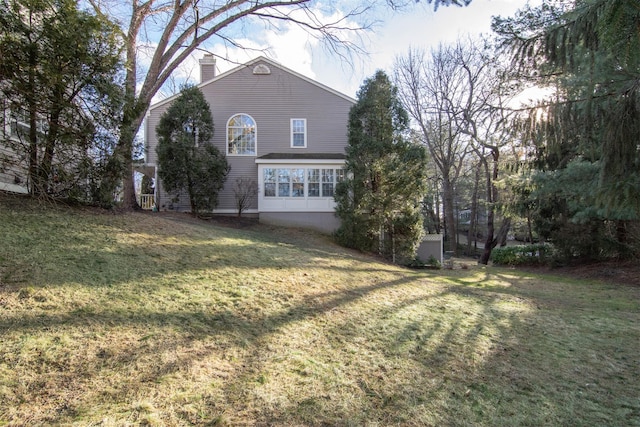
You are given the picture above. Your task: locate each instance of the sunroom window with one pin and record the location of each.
(314, 182)
(328, 182)
(270, 182)
(298, 182)
(284, 182)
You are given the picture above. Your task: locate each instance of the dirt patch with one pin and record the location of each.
(217, 220)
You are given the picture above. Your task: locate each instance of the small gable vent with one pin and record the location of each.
(261, 69)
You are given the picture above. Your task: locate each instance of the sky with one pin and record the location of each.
(419, 27)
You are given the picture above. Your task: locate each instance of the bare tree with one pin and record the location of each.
(486, 119)
(457, 97)
(245, 190)
(432, 89)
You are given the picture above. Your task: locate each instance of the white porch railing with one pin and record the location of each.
(147, 201)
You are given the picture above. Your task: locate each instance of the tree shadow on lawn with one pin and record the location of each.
(401, 347)
(391, 352)
(511, 361)
(192, 335)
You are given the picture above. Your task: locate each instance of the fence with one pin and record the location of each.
(147, 201)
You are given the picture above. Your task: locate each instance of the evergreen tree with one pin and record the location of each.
(379, 201)
(187, 161)
(587, 51)
(58, 75)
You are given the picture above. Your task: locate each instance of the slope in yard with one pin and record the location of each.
(144, 319)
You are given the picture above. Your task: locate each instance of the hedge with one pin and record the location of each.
(535, 254)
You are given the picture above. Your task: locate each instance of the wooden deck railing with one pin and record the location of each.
(147, 201)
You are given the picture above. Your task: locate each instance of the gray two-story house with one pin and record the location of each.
(282, 129)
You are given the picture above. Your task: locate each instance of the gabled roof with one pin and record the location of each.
(254, 62)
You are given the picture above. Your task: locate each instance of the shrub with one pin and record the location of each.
(536, 254)
(431, 263)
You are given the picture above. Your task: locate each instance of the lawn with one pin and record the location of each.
(148, 319)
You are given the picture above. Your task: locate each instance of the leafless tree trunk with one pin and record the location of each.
(432, 89)
(472, 233)
(492, 239)
(245, 190)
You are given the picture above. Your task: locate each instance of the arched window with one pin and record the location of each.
(241, 135)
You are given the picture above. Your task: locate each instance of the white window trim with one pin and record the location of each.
(226, 137)
(305, 169)
(295, 204)
(292, 133)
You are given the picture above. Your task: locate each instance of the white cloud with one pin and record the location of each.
(287, 43)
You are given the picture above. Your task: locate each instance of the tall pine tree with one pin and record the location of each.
(379, 201)
(588, 52)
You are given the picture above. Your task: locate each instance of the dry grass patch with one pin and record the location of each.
(139, 319)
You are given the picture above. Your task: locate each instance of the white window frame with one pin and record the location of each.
(255, 136)
(293, 181)
(293, 132)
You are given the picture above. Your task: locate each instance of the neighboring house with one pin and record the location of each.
(464, 221)
(15, 152)
(13, 168)
(278, 127)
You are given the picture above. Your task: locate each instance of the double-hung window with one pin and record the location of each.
(327, 182)
(284, 182)
(270, 182)
(298, 133)
(297, 182)
(314, 182)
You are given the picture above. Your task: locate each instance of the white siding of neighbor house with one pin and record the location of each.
(272, 100)
(13, 173)
(13, 169)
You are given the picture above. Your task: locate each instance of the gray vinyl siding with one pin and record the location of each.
(171, 201)
(272, 101)
(151, 122)
(240, 166)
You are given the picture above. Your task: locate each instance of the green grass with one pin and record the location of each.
(142, 319)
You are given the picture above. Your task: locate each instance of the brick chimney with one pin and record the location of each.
(207, 67)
